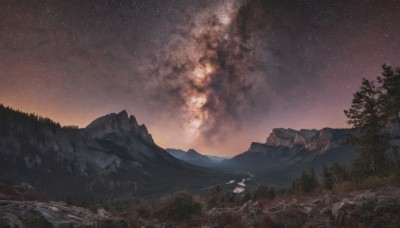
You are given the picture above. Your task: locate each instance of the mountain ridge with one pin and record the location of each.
(113, 158)
(288, 152)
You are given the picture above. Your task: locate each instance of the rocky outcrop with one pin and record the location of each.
(120, 124)
(357, 209)
(312, 140)
(26, 214)
(288, 152)
(289, 137)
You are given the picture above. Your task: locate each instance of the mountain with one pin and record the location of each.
(112, 158)
(287, 152)
(192, 156)
(217, 158)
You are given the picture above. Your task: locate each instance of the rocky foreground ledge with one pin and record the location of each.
(380, 208)
(33, 214)
(367, 208)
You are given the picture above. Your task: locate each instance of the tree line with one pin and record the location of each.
(10, 118)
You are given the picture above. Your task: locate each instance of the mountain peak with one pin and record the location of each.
(191, 156)
(121, 124)
(192, 151)
(123, 114)
(289, 137)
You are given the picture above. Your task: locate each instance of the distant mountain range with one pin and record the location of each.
(194, 157)
(287, 152)
(112, 158)
(116, 158)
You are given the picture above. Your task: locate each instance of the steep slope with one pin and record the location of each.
(112, 158)
(287, 152)
(191, 156)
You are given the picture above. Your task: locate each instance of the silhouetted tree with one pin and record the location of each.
(340, 173)
(389, 96)
(263, 192)
(214, 197)
(365, 114)
(327, 178)
(307, 182)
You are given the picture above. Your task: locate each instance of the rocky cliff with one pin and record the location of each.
(313, 140)
(287, 152)
(120, 124)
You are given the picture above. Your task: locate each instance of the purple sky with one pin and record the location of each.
(209, 75)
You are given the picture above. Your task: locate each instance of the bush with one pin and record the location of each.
(216, 198)
(343, 187)
(306, 183)
(263, 192)
(226, 219)
(143, 210)
(178, 207)
(374, 182)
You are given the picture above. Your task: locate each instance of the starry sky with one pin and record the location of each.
(213, 75)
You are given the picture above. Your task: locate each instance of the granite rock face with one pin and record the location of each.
(27, 214)
(120, 124)
(289, 137)
(312, 140)
(287, 152)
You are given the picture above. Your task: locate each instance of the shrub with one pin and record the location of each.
(178, 207)
(226, 219)
(327, 178)
(344, 187)
(374, 182)
(306, 183)
(216, 198)
(246, 197)
(263, 192)
(143, 210)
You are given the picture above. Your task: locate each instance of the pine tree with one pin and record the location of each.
(307, 182)
(339, 173)
(327, 178)
(390, 94)
(390, 100)
(365, 114)
(263, 192)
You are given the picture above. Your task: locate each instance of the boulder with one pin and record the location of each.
(25, 214)
(341, 207)
(325, 211)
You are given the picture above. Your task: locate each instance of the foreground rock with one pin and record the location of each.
(27, 214)
(359, 209)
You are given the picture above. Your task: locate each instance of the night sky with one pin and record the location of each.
(210, 75)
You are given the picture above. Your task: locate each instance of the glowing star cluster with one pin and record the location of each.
(209, 73)
(217, 62)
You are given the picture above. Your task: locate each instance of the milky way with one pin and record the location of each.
(212, 75)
